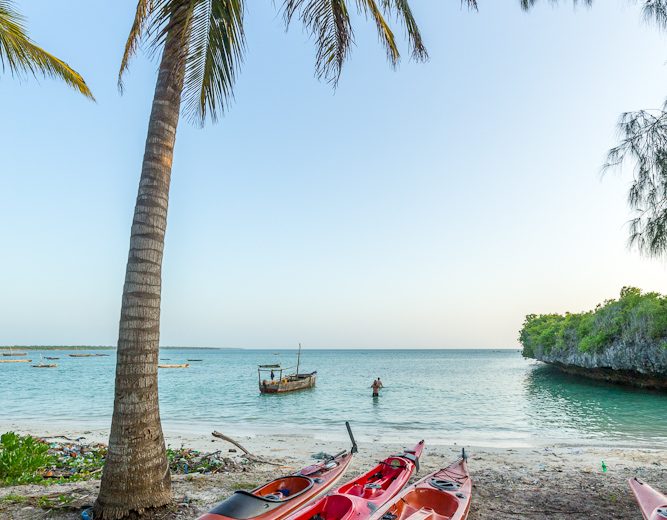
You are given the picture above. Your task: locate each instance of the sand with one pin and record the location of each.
(546, 481)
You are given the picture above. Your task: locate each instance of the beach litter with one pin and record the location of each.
(187, 461)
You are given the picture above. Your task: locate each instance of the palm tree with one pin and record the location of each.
(22, 56)
(202, 43)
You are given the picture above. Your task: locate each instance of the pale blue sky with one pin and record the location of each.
(430, 206)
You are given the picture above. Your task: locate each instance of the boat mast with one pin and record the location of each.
(298, 360)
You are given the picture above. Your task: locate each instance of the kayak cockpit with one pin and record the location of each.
(249, 504)
(422, 503)
(283, 489)
(332, 507)
(373, 485)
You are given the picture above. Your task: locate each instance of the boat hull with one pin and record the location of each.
(303, 382)
(652, 503)
(358, 499)
(281, 497)
(443, 495)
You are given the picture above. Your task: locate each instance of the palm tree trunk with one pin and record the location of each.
(136, 473)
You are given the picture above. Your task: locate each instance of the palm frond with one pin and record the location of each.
(21, 55)
(385, 34)
(401, 8)
(215, 52)
(143, 12)
(328, 21)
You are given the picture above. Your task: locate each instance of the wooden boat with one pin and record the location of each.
(15, 360)
(652, 503)
(194, 360)
(82, 355)
(50, 357)
(45, 365)
(182, 365)
(443, 495)
(285, 381)
(12, 353)
(280, 497)
(358, 499)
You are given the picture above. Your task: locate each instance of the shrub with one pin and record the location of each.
(634, 317)
(21, 457)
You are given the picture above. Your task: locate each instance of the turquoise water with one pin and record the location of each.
(476, 397)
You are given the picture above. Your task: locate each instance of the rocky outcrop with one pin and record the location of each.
(642, 364)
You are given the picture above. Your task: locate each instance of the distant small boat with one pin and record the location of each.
(164, 359)
(82, 355)
(195, 360)
(102, 355)
(49, 357)
(15, 360)
(183, 365)
(12, 353)
(45, 365)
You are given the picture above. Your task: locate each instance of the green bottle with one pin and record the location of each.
(604, 467)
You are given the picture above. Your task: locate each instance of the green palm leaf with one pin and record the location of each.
(20, 55)
(215, 51)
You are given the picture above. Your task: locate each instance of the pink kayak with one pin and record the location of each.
(652, 503)
(359, 498)
(443, 495)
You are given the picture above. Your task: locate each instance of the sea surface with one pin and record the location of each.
(472, 397)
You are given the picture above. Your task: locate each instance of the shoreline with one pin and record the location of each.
(199, 436)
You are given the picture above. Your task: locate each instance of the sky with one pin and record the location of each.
(430, 206)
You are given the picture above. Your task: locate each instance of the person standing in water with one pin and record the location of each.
(376, 387)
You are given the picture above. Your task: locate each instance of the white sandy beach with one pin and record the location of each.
(549, 481)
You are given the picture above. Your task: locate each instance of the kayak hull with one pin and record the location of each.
(652, 503)
(282, 496)
(359, 498)
(443, 495)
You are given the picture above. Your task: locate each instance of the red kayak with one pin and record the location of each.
(443, 495)
(652, 503)
(282, 496)
(358, 499)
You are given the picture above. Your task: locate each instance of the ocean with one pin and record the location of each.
(473, 397)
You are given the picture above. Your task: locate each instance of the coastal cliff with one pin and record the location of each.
(621, 341)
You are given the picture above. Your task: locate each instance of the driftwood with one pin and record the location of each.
(248, 455)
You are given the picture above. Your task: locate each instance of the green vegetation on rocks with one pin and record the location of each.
(634, 318)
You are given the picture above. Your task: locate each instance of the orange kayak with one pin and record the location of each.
(652, 503)
(357, 499)
(282, 496)
(443, 495)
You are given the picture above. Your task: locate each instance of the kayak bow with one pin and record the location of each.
(652, 503)
(443, 495)
(359, 498)
(282, 496)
